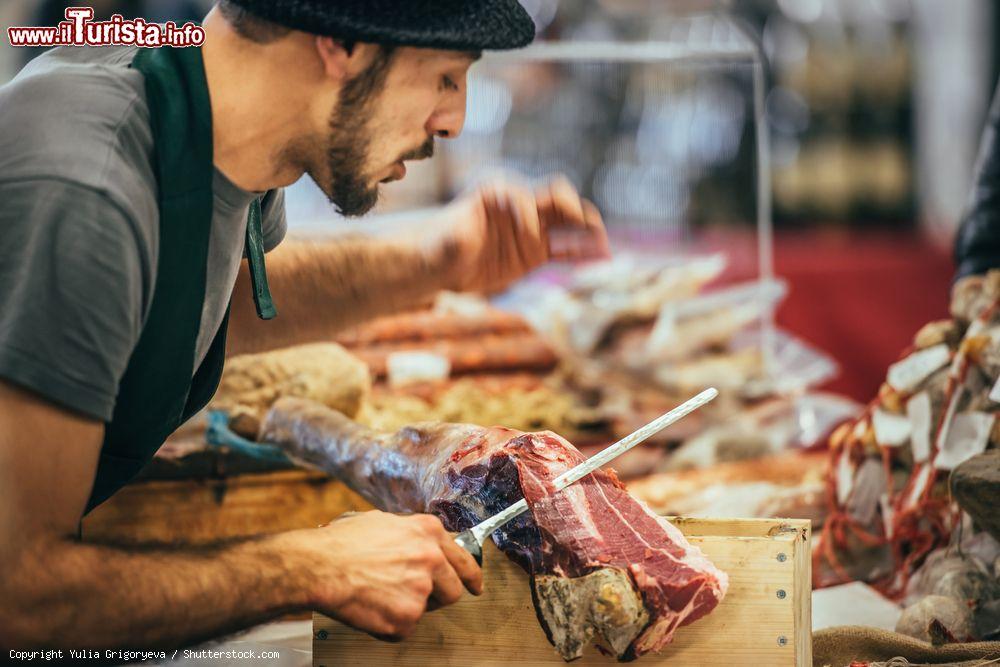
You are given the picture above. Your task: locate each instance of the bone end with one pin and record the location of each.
(603, 604)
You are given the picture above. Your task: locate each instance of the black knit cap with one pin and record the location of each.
(458, 25)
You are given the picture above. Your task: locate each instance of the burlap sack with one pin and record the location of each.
(840, 646)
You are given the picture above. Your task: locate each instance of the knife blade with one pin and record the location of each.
(472, 539)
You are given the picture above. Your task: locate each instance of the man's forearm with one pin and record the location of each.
(72, 594)
(320, 287)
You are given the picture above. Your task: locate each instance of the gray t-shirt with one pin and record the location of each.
(79, 227)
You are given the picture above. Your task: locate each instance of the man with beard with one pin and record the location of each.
(135, 184)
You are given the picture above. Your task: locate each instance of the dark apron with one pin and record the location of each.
(157, 392)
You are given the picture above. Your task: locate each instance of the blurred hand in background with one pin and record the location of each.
(504, 230)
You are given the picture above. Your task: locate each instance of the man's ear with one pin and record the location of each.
(336, 57)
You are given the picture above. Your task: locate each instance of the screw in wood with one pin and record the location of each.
(782, 640)
(782, 557)
(781, 594)
(322, 634)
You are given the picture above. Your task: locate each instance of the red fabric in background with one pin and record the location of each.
(860, 297)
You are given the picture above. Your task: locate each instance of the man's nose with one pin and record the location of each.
(448, 119)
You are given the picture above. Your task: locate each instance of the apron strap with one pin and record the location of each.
(255, 258)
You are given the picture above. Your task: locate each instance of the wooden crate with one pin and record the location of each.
(765, 619)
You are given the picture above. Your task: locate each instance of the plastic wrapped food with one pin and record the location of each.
(937, 619)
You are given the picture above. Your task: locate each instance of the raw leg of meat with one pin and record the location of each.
(604, 567)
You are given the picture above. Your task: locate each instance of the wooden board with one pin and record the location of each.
(765, 618)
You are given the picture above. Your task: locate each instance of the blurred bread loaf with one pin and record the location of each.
(323, 372)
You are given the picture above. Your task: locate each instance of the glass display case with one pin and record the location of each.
(669, 138)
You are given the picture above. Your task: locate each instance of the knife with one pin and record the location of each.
(472, 539)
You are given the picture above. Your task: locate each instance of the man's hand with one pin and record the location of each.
(503, 231)
(380, 572)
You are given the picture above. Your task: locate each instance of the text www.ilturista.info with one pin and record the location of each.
(79, 29)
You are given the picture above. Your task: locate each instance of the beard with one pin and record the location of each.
(350, 190)
(348, 187)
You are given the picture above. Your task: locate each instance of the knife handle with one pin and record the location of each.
(467, 540)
